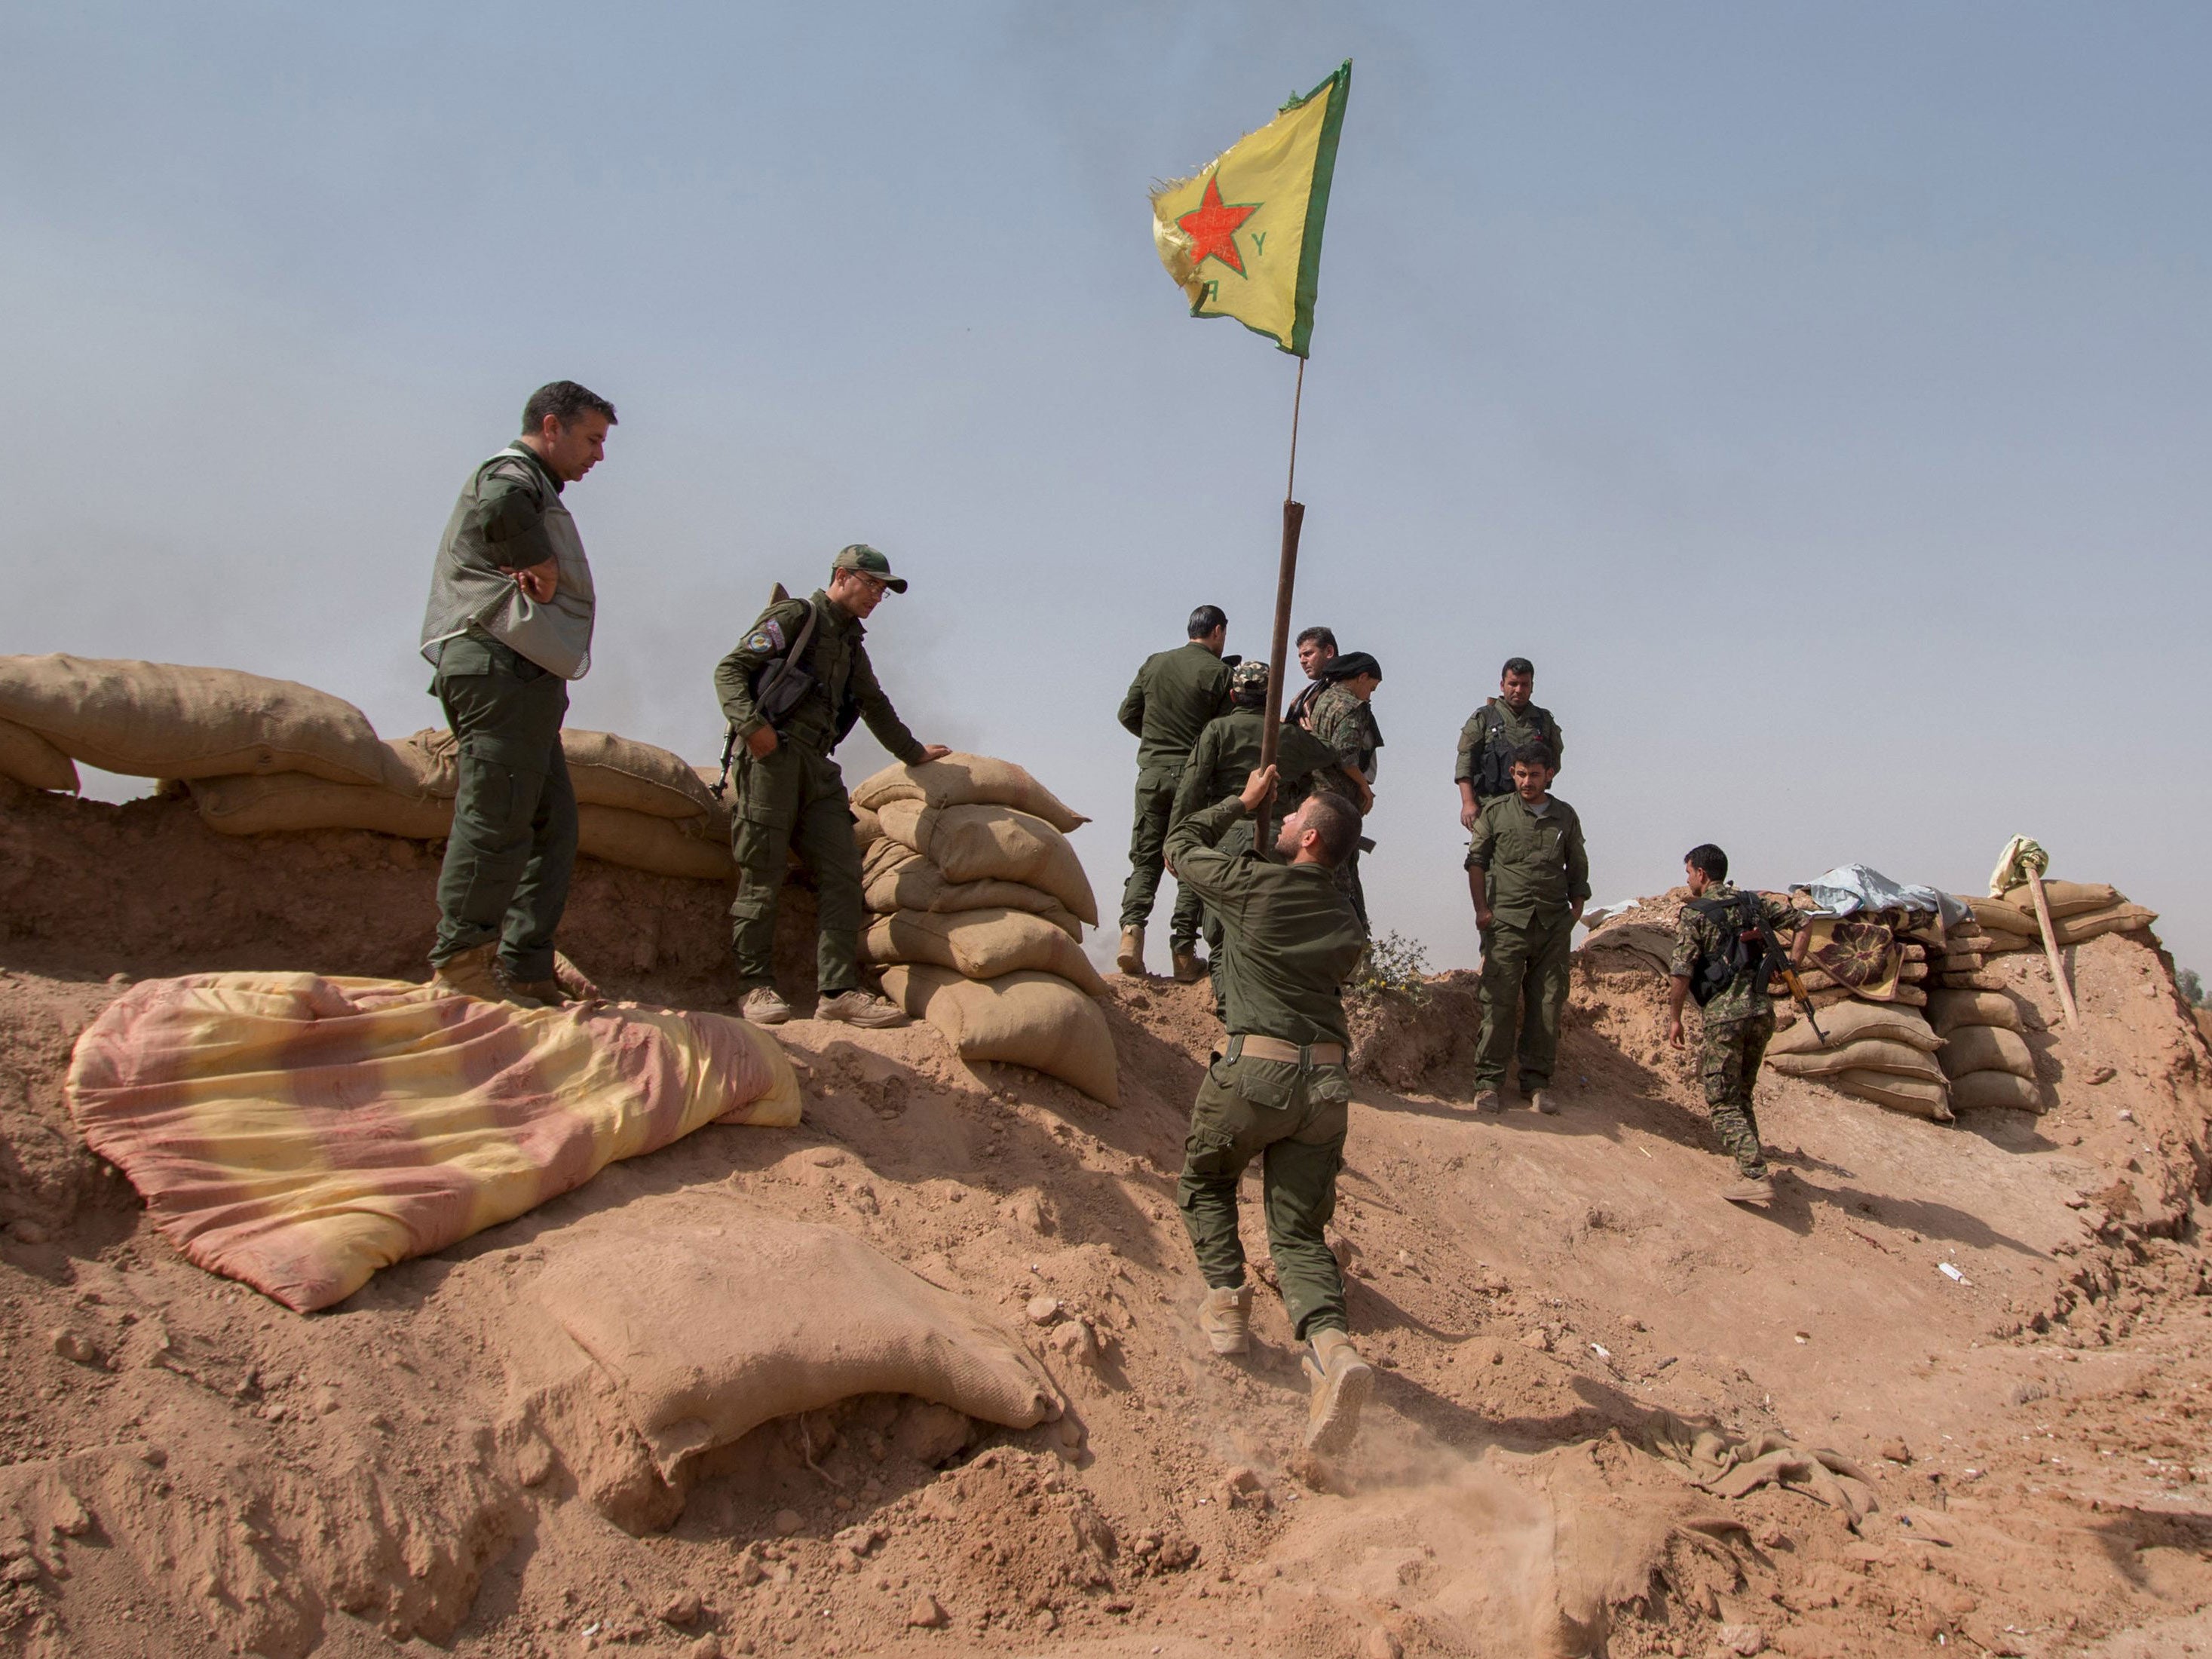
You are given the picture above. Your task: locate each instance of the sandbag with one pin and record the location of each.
(297, 800)
(1854, 1021)
(993, 844)
(1980, 1090)
(1986, 1048)
(1865, 1054)
(1919, 1097)
(1980, 979)
(2064, 898)
(1959, 962)
(867, 829)
(894, 877)
(712, 1322)
(1949, 1010)
(2002, 920)
(981, 944)
(30, 759)
(152, 720)
(1837, 996)
(959, 780)
(644, 841)
(1025, 1019)
(2081, 928)
(603, 769)
(2005, 945)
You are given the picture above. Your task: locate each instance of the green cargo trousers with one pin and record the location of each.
(1728, 1058)
(1148, 837)
(1294, 1119)
(1524, 989)
(514, 842)
(795, 798)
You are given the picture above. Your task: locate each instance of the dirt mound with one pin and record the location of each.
(186, 1468)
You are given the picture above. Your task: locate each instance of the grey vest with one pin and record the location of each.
(468, 590)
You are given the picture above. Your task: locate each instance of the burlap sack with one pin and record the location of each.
(603, 769)
(867, 829)
(710, 1325)
(959, 780)
(2002, 920)
(644, 841)
(2064, 898)
(896, 877)
(1949, 1010)
(993, 844)
(2122, 918)
(1959, 962)
(1853, 1022)
(152, 720)
(1980, 979)
(1904, 996)
(29, 758)
(1919, 1097)
(1866, 1055)
(295, 800)
(1979, 1090)
(1025, 1018)
(1986, 1048)
(981, 944)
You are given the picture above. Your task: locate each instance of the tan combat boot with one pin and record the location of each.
(862, 1008)
(476, 974)
(1489, 1100)
(1341, 1381)
(1540, 1100)
(1225, 1316)
(764, 1006)
(1750, 1190)
(1131, 961)
(1189, 967)
(567, 986)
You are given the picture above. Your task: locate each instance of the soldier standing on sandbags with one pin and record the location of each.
(1493, 731)
(508, 626)
(1279, 1091)
(791, 691)
(1528, 873)
(1174, 696)
(1720, 958)
(1343, 718)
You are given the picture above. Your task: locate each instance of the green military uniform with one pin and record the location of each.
(1488, 739)
(1291, 939)
(794, 797)
(1536, 872)
(1739, 1021)
(1174, 696)
(1346, 726)
(503, 663)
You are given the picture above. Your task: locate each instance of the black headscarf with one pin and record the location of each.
(1351, 666)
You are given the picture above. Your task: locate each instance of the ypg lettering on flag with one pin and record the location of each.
(1255, 254)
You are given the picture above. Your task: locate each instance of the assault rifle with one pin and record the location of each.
(1798, 994)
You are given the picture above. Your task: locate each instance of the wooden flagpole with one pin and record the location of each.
(1286, 577)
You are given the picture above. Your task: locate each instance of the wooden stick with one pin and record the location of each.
(1286, 581)
(2050, 948)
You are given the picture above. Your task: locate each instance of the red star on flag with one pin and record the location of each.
(1211, 227)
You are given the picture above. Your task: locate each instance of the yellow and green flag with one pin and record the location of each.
(1243, 237)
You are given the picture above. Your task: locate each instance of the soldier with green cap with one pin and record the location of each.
(1174, 694)
(791, 691)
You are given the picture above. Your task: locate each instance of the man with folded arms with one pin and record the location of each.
(1280, 1090)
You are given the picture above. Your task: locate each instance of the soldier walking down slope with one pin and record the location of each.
(1528, 873)
(1174, 696)
(1343, 718)
(1228, 753)
(1279, 1091)
(1722, 958)
(791, 691)
(1494, 731)
(1316, 650)
(508, 625)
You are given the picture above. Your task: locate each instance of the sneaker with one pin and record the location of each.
(1341, 1381)
(1749, 1189)
(1225, 1316)
(567, 985)
(476, 974)
(1489, 1100)
(862, 1008)
(1540, 1100)
(1131, 960)
(764, 1006)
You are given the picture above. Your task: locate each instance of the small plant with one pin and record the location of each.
(1393, 962)
(2190, 987)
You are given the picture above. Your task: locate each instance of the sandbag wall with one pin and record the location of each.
(261, 755)
(977, 905)
(1870, 976)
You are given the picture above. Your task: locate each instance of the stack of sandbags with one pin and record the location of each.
(2080, 911)
(1878, 1052)
(1957, 955)
(977, 905)
(262, 755)
(1984, 1053)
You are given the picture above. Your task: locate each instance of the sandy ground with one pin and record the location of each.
(186, 1468)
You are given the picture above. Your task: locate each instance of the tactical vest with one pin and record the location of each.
(467, 590)
(1743, 946)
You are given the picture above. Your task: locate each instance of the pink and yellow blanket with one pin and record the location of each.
(299, 1133)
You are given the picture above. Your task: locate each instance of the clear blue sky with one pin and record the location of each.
(1818, 394)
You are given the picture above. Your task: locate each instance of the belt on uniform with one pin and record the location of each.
(1267, 1047)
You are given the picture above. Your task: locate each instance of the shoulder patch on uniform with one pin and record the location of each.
(768, 636)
